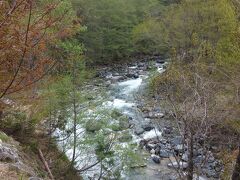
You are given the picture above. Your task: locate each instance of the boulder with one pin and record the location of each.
(141, 65)
(211, 159)
(150, 146)
(180, 165)
(199, 159)
(139, 131)
(179, 148)
(132, 75)
(160, 61)
(167, 131)
(147, 126)
(156, 159)
(185, 157)
(164, 153)
(177, 140)
(8, 154)
(115, 79)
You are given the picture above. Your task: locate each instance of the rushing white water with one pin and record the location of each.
(118, 104)
(130, 85)
(152, 134)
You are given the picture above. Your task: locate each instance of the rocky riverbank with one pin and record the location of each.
(156, 130)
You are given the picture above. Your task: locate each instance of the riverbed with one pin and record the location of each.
(119, 91)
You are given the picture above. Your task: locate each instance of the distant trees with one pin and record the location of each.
(109, 25)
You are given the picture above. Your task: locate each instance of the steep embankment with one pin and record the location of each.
(28, 157)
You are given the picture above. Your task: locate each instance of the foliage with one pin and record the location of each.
(150, 37)
(27, 28)
(203, 43)
(109, 26)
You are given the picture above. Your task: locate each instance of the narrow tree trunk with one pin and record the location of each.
(74, 114)
(190, 159)
(236, 171)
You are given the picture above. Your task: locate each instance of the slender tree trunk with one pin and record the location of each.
(74, 114)
(236, 171)
(190, 159)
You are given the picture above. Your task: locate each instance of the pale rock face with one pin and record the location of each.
(8, 154)
(12, 159)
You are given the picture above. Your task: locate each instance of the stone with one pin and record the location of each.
(152, 151)
(35, 178)
(152, 115)
(142, 143)
(177, 140)
(156, 159)
(185, 157)
(150, 146)
(200, 151)
(115, 79)
(199, 159)
(180, 165)
(160, 61)
(211, 159)
(167, 131)
(164, 153)
(212, 173)
(147, 126)
(157, 150)
(139, 131)
(132, 75)
(141, 65)
(163, 141)
(8, 154)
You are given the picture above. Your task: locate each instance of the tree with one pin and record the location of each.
(191, 100)
(203, 38)
(27, 28)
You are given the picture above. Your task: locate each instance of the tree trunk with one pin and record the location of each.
(74, 114)
(236, 171)
(190, 159)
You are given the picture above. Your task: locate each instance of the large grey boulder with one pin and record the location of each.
(8, 154)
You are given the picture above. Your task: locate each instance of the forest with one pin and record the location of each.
(120, 89)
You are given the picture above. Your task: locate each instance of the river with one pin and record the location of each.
(120, 90)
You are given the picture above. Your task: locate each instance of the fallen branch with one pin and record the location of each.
(45, 164)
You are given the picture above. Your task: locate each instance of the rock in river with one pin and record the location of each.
(164, 153)
(179, 165)
(156, 158)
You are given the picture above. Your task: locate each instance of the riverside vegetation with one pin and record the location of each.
(120, 89)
